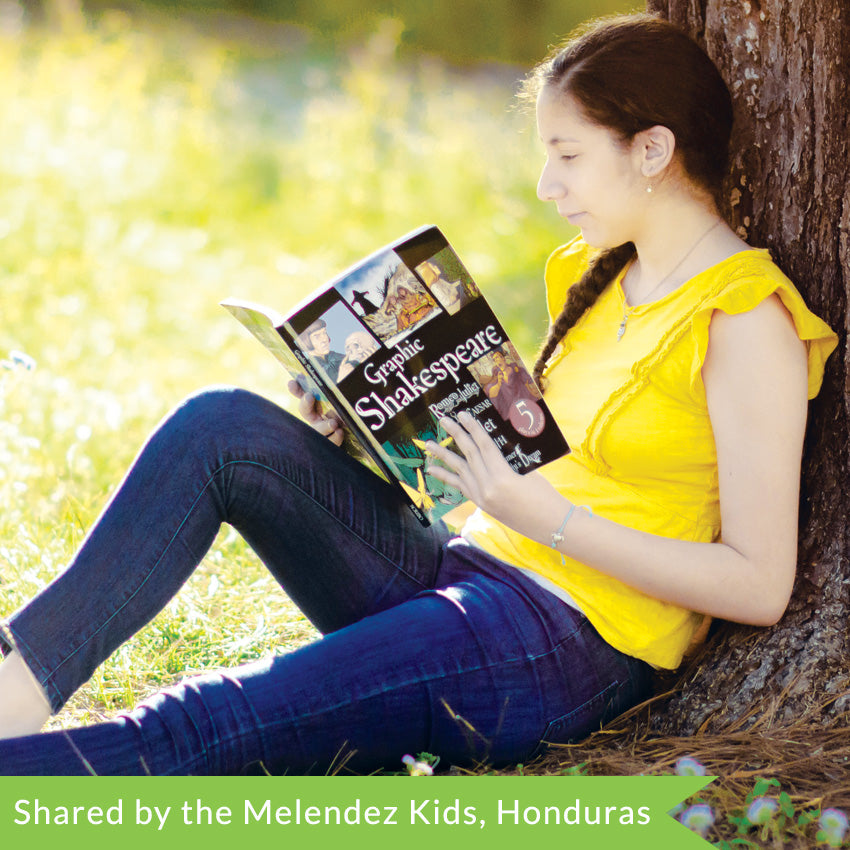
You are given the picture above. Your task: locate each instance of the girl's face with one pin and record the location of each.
(593, 178)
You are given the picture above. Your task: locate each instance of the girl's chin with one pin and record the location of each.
(593, 239)
(597, 240)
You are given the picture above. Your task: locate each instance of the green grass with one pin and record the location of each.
(145, 174)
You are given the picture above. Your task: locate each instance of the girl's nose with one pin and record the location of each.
(548, 187)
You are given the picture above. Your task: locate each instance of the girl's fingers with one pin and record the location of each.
(463, 439)
(451, 460)
(472, 438)
(446, 476)
(328, 425)
(483, 441)
(306, 401)
(307, 407)
(337, 436)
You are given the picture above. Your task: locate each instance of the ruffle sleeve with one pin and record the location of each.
(563, 268)
(745, 287)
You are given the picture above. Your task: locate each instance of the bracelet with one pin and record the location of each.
(558, 535)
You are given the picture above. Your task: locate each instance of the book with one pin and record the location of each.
(394, 344)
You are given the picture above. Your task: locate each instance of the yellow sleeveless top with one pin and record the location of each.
(635, 415)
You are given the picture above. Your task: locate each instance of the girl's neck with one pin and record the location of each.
(677, 242)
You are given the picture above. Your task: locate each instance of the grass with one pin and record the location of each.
(148, 172)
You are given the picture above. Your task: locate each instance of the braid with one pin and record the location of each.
(581, 295)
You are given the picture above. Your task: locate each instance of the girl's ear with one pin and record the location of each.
(654, 147)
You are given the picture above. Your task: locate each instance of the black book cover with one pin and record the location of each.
(400, 340)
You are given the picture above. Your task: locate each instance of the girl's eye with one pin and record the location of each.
(567, 157)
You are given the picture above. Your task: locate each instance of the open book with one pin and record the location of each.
(397, 342)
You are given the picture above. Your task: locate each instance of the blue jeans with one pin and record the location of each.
(429, 644)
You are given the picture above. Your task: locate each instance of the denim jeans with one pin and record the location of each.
(428, 643)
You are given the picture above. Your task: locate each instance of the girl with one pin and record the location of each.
(678, 363)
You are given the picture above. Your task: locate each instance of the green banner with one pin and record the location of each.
(350, 812)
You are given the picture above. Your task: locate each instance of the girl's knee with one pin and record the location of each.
(222, 407)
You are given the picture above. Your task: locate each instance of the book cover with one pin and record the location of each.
(397, 342)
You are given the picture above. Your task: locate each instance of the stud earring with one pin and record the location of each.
(649, 188)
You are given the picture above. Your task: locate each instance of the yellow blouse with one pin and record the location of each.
(635, 415)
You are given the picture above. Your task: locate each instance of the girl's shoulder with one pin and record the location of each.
(747, 266)
(741, 283)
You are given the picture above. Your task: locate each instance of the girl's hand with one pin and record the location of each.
(527, 503)
(328, 425)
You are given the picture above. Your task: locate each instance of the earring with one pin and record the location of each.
(649, 188)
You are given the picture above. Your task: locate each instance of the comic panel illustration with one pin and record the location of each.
(338, 341)
(506, 382)
(447, 280)
(408, 455)
(388, 298)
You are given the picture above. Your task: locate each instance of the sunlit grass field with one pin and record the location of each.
(147, 173)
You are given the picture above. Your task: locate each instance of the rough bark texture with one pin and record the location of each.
(787, 63)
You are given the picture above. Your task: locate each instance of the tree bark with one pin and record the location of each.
(787, 63)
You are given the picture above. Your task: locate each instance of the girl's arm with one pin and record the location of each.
(755, 375)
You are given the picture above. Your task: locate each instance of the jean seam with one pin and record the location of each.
(376, 692)
(611, 688)
(176, 532)
(15, 642)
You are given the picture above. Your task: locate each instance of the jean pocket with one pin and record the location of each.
(581, 721)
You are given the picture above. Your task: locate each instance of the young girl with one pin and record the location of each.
(678, 364)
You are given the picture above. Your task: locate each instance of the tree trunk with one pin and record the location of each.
(787, 63)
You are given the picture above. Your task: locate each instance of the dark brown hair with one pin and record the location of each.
(628, 74)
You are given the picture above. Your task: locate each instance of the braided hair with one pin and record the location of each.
(581, 295)
(627, 74)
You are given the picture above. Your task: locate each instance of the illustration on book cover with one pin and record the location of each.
(401, 340)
